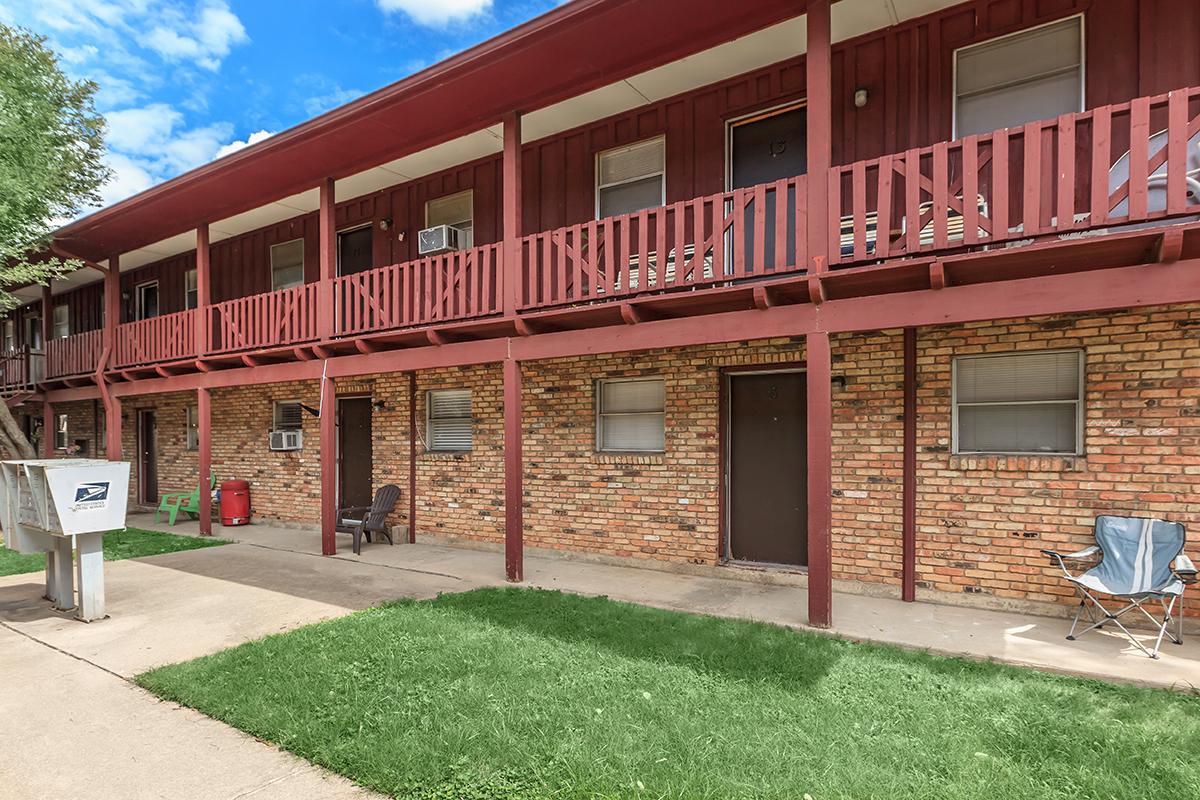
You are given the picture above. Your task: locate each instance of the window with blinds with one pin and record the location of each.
(191, 291)
(287, 416)
(449, 424)
(631, 415)
(60, 432)
(287, 264)
(1030, 75)
(62, 322)
(631, 178)
(1019, 403)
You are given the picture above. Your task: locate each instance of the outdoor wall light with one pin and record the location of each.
(384, 224)
(838, 382)
(378, 405)
(860, 98)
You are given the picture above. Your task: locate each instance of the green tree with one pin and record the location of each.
(51, 169)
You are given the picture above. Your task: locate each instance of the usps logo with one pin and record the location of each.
(90, 495)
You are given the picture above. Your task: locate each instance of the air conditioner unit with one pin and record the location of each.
(439, 239)
(286, 440)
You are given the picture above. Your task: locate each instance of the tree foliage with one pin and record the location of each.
(51, 158)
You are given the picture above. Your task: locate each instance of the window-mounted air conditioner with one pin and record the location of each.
(286, 440)
(439, 239)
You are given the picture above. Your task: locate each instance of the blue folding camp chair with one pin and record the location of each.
(1141, 560)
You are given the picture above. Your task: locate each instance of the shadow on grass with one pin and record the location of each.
(743, 651)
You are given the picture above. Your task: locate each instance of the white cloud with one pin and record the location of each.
(128, 178)
(253, 138)
(204, 40)
(436, 13)
(332, 99)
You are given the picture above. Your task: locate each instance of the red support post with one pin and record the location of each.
(47, 318)
(820, 483)
(204, 423)
(328, 467)
(908, 583)
(514, 517)
(510, 281)
(819, 121)
(112, 318)
(412, 457)
(327, 237)
(203, 288)
(47, 429)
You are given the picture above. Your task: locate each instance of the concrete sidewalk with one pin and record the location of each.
(83, 730)
(80, 729)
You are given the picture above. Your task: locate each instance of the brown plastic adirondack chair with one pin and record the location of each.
(362, 521)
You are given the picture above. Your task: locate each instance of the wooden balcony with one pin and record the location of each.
(985, 207)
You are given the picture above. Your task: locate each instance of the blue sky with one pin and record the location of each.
(184, 81)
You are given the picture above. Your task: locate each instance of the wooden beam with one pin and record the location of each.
(908, 581)
(328, 430)
(937, 275)
(204, 434)
(816, 290)
(818, 362)
(327, 257)
(365, 346)
(112, 427)
(1169, 247)
(203, 288)
(818, 72)
(763, 299)
(514, 515)
(47, 316)
(47, 429)
(412, 457)
(510, 281)
(112, 303)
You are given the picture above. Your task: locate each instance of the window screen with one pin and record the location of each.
(456, 210)
(190, 292)
(1031, 75)
(632, 178)
(62, 321)
(631, 415)
(449, 421)
(193, 428)
(1021, 403)
(287, 416)
(287, 264)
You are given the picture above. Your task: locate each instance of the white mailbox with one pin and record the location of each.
(53, 505)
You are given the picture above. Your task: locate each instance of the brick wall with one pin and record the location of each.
(981, 521)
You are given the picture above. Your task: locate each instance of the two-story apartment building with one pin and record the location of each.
(891, 292)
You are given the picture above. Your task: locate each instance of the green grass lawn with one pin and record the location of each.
(129, 543)
(505, 693)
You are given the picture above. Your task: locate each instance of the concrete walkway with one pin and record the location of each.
(84, 730)
(1012, 637)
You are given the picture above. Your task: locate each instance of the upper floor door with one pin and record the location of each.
(355, 252)
(764, 148)
(146, 300)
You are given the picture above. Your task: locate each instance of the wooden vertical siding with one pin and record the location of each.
(1132, 48)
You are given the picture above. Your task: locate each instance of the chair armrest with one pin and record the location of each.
(353, 510)
(1079, 555)
(1185, 568)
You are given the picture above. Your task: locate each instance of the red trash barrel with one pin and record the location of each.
(235, 503)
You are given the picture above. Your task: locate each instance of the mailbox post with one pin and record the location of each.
(54, 506)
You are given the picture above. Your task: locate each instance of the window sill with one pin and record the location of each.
(446, 455)
(631, 457)
(1018, 463)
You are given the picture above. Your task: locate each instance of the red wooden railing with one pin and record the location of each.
(77, 354)
(273, 319)
(1127, 163)
(20, 369)
(171, 337)
(451, 286)
(747, 233)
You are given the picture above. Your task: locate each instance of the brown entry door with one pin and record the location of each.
(148, 457)
(354, 452)
(768, 492)
(355, 250)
